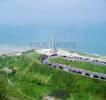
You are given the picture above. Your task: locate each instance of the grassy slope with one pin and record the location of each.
(36, 80)
(83, 65)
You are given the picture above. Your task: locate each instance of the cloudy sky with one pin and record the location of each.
(30, 11)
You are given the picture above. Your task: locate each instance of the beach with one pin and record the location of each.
(9, 49)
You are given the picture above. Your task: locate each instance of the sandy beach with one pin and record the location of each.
(9, 49)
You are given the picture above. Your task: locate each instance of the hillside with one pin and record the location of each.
(32, 80)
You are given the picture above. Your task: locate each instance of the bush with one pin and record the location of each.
(60, 93)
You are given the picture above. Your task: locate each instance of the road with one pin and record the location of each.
(71, 69)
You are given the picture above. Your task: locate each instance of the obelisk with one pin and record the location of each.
(53, 45)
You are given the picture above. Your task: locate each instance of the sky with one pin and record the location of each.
(79, 21)
(32, 11)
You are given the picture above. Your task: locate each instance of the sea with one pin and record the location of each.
(81, 37)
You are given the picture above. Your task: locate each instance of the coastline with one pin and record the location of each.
(9, 49)
(12, 49)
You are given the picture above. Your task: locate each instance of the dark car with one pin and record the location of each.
(95, 76)
(64, 56)
(79, 72)
(102, 78)
(87, 74)
(54, 55)
(50, 64)
(60, 67)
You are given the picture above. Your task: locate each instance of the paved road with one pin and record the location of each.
(85, 59)
(90, 74)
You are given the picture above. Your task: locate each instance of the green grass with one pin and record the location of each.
(83, 65)
(33, 81)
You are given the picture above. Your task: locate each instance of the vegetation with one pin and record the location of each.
(34, 81)
(83, 65)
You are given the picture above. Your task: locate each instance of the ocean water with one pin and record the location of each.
(87, 38)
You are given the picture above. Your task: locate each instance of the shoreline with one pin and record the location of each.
(9, 49)
(12, 49)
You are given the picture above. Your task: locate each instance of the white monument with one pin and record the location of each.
(53, 43)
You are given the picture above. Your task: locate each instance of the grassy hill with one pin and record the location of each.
(34, 81)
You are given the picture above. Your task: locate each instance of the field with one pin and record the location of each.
(34, 81)
(83, 65)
